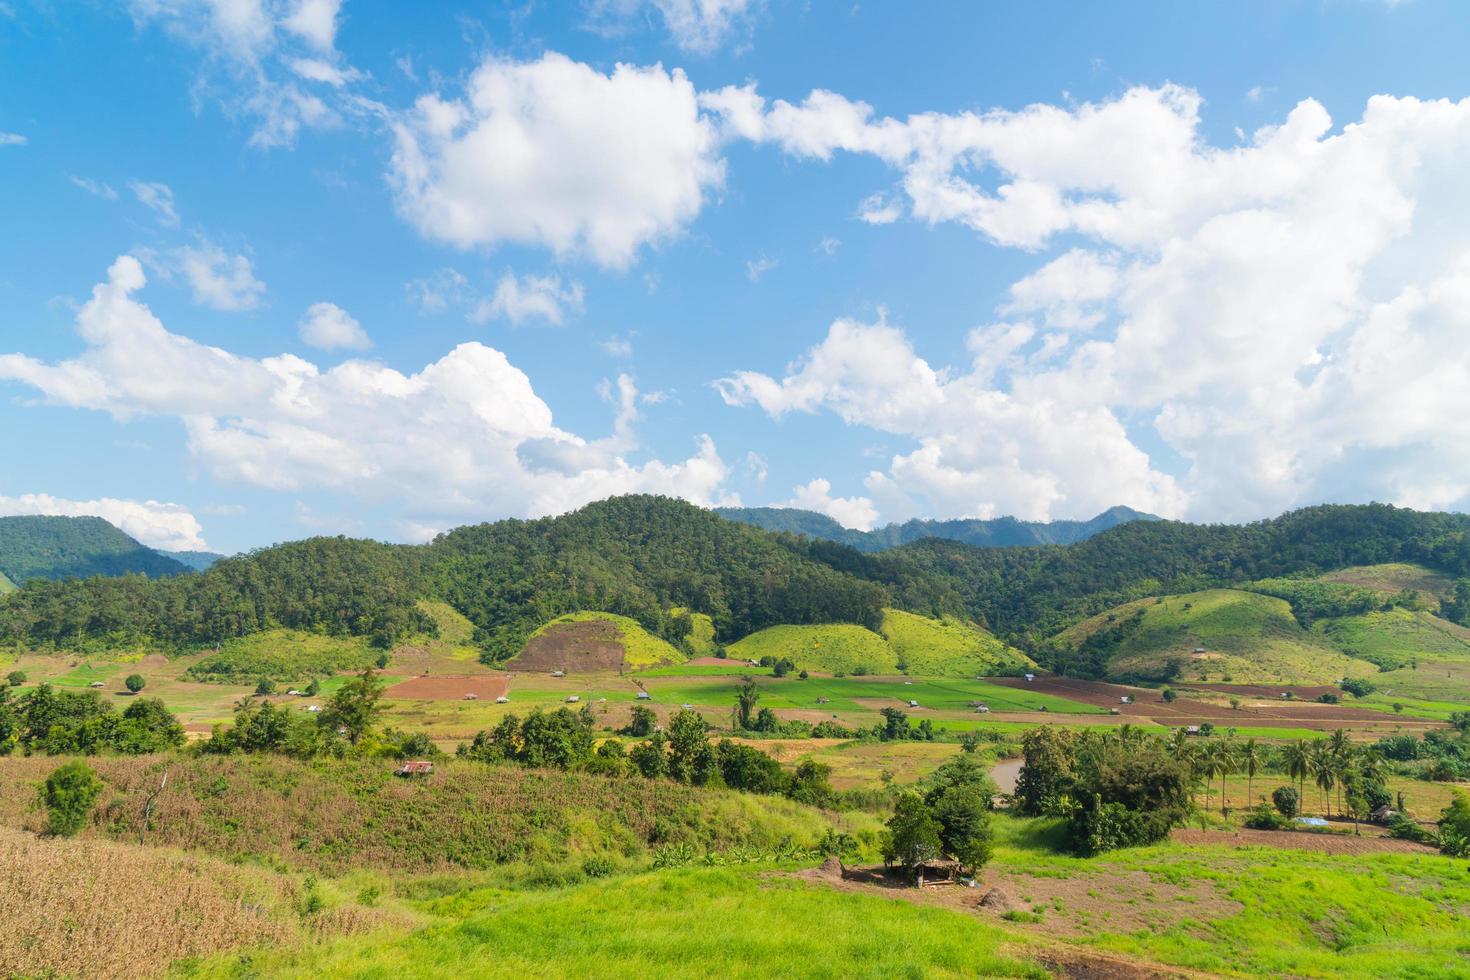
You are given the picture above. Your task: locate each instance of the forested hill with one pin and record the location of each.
(651, 557)
(1001, 532)
(65, 547)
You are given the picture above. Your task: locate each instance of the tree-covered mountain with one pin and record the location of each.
(75, 547)
(196, 560)
(1000, 532)
(656, 559)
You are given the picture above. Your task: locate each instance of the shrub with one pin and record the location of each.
(1328, 698)
(1170, 694)
(1288, 802)
(1358, 687)
(15, 678)
(1262, 817)
(135, 683)
(266, 686)
(1454, 826)
(69, 794)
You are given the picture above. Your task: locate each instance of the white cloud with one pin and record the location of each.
(12, 139)
(219, 280)
(440, 291)
(169, 527)
(329, 327)
(829, 244)
(698, 26)
(464, 437)
(552, 152)
(755, 268)
(260, 49)
(95, 188)
(878, 209)
(857, 513)
(526, 298)
(616, 346)
(1280, 318)
(158, 198)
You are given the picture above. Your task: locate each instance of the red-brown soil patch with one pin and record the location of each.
(1271, 711)
(1302, 692)
(595, 644)
(447, 687)
(1302, 841)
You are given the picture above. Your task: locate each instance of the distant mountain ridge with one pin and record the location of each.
(1000, 532)
(76, 547)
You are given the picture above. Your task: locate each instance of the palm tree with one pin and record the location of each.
(1297, 758)
(1251, 758)
(1227, 761)
(1341, 749)
(1324, 770)
(746, 701)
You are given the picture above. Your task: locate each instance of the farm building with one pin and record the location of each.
(573, 698)
(1030, 677)
(502, 700)
(414, 768)
(644, 696)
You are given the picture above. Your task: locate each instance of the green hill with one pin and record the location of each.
(935, 648)
(1216, 634)
(831, 648)
(1396, 638)
(74, 547)
(6, 585)
(583, 641)
(283, 655)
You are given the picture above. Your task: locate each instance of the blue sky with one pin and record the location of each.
(281, 267)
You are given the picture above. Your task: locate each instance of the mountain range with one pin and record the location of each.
(999, 532)
(77, 547)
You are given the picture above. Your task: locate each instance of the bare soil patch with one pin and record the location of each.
(1304, 692)
(1082, 905)
(1149, 704)
(447, 687)
(1302, 841)
(592, 645)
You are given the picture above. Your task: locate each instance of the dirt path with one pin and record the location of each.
(1006, 772)
(1302, 841)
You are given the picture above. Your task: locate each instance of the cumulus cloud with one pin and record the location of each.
(1276, 320)
(522, 299)
(552, 152)
(857, 513)
(12, 139)
(170, 527)
(329, 327)
(219, 280)
(464, 437)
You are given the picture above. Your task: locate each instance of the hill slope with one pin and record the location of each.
(582, 641)
(74, 547)
(1217, 634)
(1001, 532)
(6, 585)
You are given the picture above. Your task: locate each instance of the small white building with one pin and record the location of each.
(644, 696)
(982, 709)
(913, 704)
(502, 700)
(1030, 677)
(1126, 699)
(313, 708)
(558, 673)
(573, 699)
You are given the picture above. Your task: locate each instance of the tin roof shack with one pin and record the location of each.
(416, 767)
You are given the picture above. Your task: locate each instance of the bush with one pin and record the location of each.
(15, 678)
(1328, 698)
(1454, 827)
(1262, 817)
(1288, 802)
(1358, 687)
(265, 687)
(69, 794)
(1170, 694)
(135, 683)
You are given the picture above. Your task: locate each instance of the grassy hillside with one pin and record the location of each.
(1392, 578)
(336, 816)
(283, 655)
(832, 648)
(1217, 634)
(934, 648)
(1397, 637)
(640, 647)
(701, 637)
(6, 585)
(74, 547)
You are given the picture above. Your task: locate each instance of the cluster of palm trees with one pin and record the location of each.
(1333, 764)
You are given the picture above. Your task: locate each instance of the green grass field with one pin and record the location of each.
(950, 648)
(831, 648)
(1393, 577)
(693, 921)
(1245, 637)
(6, 585)
(640, 647)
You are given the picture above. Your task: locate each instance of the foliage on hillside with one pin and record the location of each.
(948, 648)
(74, 547)
(640, 647)
(334, 816)
(6, 585)
(831, 648)
(283, 655)
(1217, 633)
